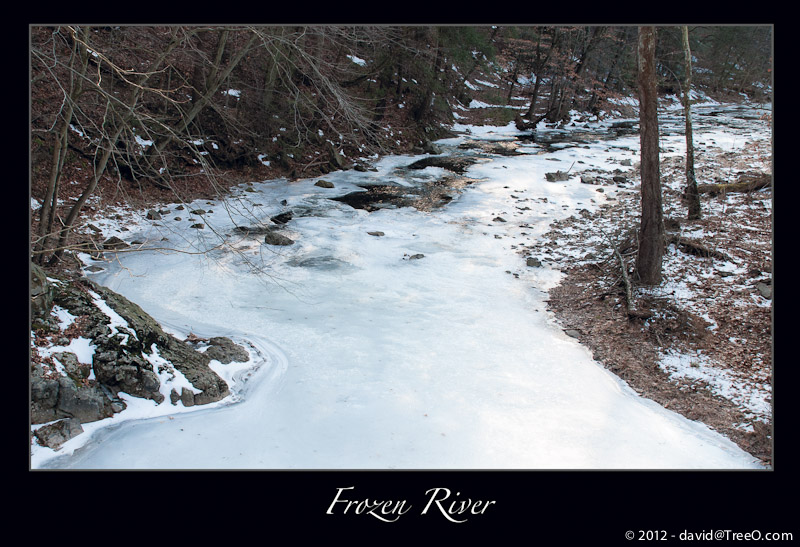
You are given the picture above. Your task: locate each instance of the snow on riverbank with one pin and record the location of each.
(377, 360)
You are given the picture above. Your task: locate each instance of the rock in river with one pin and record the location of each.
(276, 238)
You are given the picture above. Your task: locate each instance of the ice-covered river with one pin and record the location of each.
(371, 356)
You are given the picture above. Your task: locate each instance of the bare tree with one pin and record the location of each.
(651, 233)
(134, 102)
(692, 195)
(77, 67)
(118, 115)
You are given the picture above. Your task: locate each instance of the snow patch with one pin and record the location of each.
(117, 321)
(357, 60)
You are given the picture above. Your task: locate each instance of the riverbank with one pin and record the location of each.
(703, 344)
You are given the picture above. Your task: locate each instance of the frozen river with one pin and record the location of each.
(367, 355)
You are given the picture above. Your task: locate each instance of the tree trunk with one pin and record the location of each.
(692, 196)
(88, 191)
(540, 66)
(534, 97)
(651, 233)
(514, 76)
(116, 121)
(49, 209)
(423, 108)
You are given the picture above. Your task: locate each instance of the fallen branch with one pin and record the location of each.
(313, 163)
(695, 248)
(632, 312)
(746, 183)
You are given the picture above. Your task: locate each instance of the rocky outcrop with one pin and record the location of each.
(133, 369)
(54, 399)
(132, 354)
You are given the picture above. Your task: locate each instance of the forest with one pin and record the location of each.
(127, 111)
(366, 232)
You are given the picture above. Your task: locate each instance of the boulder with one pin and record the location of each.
(557, 176)
(764, 288)
(119, 364)
(429, 148)
(114, 243)
(74, 368)
(44, 399)
(337, 161)
(324, 184)
(628, 124)
(253, 230)
(282, 218)
(672, 224)
(83, 403)
(56, 434)
(225, 351)
(186, 397)
(275, 238)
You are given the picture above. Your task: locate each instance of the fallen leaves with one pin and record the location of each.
(708, 306)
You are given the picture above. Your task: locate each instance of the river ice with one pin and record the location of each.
(364, 358)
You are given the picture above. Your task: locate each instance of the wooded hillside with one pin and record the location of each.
(118, 111)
